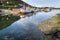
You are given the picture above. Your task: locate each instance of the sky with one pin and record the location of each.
(43, 3)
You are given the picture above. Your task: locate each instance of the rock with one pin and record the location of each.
(51, 25)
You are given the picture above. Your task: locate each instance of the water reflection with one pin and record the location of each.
(26, 27)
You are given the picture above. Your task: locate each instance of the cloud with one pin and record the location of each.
(39, 3)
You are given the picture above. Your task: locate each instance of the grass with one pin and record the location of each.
(48, 38)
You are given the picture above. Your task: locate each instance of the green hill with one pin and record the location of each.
(11, 3)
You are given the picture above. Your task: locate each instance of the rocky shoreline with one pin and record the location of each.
(50, 25)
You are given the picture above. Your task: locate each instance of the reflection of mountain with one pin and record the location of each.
(4, 22)
(50, 25)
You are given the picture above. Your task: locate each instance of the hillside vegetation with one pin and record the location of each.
(12, 3)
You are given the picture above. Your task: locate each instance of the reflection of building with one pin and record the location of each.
(15, 11)
(5, 12)
(45, 9)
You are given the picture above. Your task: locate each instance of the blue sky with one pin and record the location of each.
(43, 3)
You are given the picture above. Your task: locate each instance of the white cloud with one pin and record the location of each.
(40, 3)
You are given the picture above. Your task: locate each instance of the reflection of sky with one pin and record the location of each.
(27, 25)
(52, 3)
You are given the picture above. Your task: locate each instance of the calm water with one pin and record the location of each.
(26, 27)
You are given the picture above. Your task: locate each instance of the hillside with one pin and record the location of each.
(50, 25)
(11, 3)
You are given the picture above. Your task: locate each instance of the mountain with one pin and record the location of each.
(12, 3)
